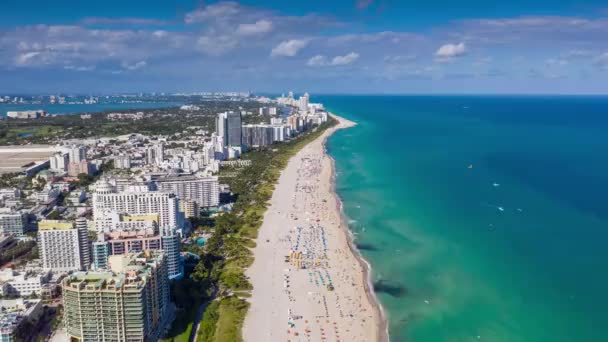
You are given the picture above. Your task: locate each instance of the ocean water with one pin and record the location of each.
(82, 108)
(484, 218)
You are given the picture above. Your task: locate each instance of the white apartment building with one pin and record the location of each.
(122, 162)
(116, 222)
(13, 283)
(59, 161)
(136, 200)
(77, 153)
(12, 222)
(304, 100)
(64, 245)
(204, 191)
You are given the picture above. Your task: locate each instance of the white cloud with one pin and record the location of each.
(346, 59)
(451, 50)
(134, 66)
(122, 21)
(318, 60)
(259, 27)
(289, 48)
(399, 58)
(79, 68)
(213, 12)
(160, 33)
(26, 58)
(61, 46)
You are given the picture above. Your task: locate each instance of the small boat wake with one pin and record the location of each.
(497, 207)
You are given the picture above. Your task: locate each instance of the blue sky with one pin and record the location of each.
(338, 46)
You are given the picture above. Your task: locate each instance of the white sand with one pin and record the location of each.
(304, 205)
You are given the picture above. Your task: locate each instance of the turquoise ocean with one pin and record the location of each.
(484, 218)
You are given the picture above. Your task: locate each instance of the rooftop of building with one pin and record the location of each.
(127, 272)
(131, 234)
(55, 225)
(13, 311)
(8, 274)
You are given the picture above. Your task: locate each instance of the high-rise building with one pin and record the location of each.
(139, 208)
(130, 302)
(122, 162)
(155, 154)
(205, 191)
(77, 153)
(294, 123)
(64, 245)
(170, 246)
(228, 125)
(234, 129)
(221, 127)
(59, 161)
(189, 208)
(257, 135)
(82, 227)
(304, 100)
(12, 223)
(268, 111)
(76, 168)
(280, 132)
(135, 200)
(101, 252)
(136, 241)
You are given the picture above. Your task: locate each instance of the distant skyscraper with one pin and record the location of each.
(257, 135)
(220, 127)
(304, 100)
(155, 155)
(228, 125)
(234, 129)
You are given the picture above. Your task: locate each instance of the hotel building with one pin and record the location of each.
(130, 302)
(64, 245)
(205, 191)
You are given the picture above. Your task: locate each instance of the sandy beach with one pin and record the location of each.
(309, 283)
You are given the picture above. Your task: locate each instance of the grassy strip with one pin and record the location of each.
(228, 251)
(187, 296)
(206, 330)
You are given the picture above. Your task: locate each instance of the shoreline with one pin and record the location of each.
(326, 293)
(381, 318)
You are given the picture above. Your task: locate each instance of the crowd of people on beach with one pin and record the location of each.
(319, 307)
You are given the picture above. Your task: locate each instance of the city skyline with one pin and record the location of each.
(350, 46)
